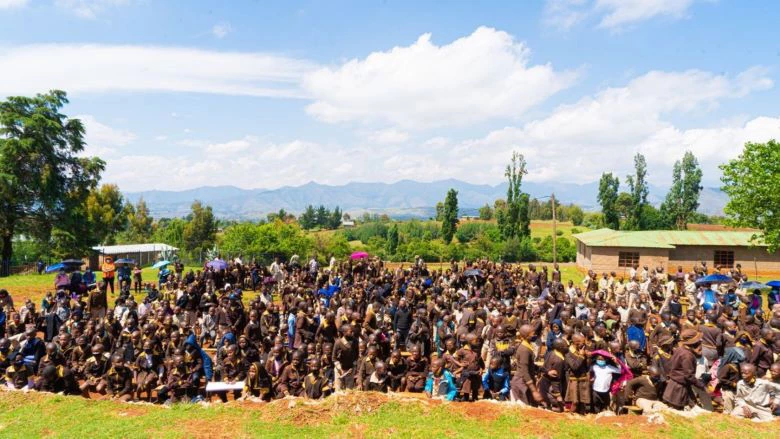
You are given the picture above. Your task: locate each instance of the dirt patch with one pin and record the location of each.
(203, 428)
(131, 411)
(481, 410)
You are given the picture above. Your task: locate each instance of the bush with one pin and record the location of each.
(575, 231)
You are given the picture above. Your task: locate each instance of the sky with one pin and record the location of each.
(179, 94)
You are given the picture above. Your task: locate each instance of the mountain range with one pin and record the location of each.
(402, 199)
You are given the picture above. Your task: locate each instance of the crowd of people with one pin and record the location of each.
(644, 340)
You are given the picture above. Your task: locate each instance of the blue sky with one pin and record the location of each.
(180, 94)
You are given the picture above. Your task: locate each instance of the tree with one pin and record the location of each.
(392, 239)
(335, 218)
(683, 198)
(308, 218)
(201, 230)
(576, 215)
(509, 220)
(104, 207)
(322, 217)
(750, 181)
(486, 212)
(523, 220)
(608, 197)
(42, 177)
(638, 190)
(139, 223)
(439, 211)
(449, 221)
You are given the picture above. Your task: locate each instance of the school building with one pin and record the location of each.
(606, 250)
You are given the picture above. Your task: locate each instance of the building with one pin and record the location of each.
(143, 254)
(606, 250)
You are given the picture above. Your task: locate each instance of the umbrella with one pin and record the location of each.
(753, 285)
(715, 278)
(773, 284)
(473, 272)
(125, 261)
(161, 264)
(78, 262)
(359, 255)
(55, 267)
(217, 264)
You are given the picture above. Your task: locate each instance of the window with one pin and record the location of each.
(628, 259)
(724, 258)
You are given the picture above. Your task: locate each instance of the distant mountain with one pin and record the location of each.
(403, 199)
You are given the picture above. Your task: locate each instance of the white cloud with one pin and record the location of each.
(8, 4)
(89, 9)
(233, 146)
(574, 143)
(103, 140)
(161, 138)
(94, 68)
(577, 142)
(612, 14)
(481, 76)
(387, 136)
(220, 30)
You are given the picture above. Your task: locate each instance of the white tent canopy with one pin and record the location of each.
(133, 248)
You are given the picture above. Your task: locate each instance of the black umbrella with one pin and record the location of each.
(78, 262)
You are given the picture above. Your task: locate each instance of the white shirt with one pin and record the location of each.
(602, 377)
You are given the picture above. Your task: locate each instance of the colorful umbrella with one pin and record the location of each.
(55, 267)
(125, 261)
(217, 264)
(715, 278)
(773, 284)
(359, 255)
(161, 264)
(753, 285)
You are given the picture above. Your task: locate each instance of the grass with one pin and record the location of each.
(351, 415)
(35, 287)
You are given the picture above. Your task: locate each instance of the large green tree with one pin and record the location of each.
(139, 223)
(509, 218)
(201, 230)
(449, 221)
(638, 191)
(43, 179)
(608, 197)
(308, 218)
(392, 240)
(682, 200)
(750, 181)
(104, 207)
(486, 212)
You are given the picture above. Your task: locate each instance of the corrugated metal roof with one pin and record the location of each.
(666, 238)
(132, 248)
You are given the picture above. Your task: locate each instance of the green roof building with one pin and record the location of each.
(605, 250)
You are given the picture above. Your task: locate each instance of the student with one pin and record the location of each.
(495, 381)
(755, 397)
(602, 380)
(258, 383)
(315, 385)
(440, 383)
(378, 382)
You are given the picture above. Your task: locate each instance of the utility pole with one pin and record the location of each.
(554, 234)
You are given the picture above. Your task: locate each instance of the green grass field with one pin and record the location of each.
(349, 415)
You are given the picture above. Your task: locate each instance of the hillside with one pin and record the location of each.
(402, 199)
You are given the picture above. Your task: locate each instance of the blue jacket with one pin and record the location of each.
(208, 371)
(496, 379)
(446, 388)
(637, 333)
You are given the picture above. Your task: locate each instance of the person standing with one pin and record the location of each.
(682, 371)
(109, 271)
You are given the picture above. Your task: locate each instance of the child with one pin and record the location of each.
(602, 380)
(495, 381)
(440, 383)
